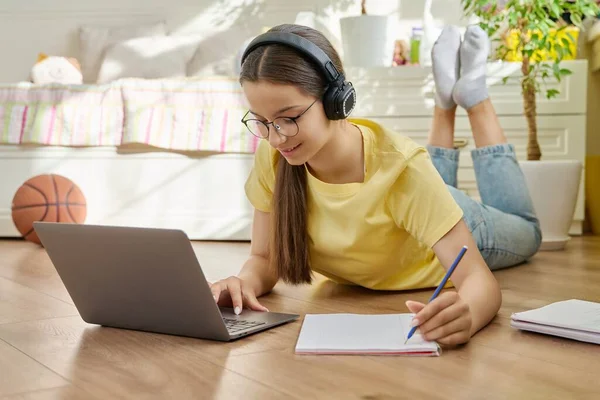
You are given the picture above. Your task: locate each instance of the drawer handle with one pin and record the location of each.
(460, 143)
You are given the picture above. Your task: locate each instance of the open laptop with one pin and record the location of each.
(143, 279)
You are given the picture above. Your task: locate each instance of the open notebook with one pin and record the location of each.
(380, 334)
(572, 319)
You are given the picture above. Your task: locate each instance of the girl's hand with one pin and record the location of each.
(446, 320)
(236, 292)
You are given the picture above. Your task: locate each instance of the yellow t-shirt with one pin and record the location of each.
(377, 233)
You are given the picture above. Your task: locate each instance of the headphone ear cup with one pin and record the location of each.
(329, 102)
(347, 99)
(339, 101)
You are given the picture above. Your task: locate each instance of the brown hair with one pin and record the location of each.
(281, 64)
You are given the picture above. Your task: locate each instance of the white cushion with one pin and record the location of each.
(149, 58)
(93, 41)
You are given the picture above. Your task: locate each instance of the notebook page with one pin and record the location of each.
(574, 334)
(573, 314)
(359, 333)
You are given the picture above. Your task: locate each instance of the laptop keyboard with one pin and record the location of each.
(236, 325)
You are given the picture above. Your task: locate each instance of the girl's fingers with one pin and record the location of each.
(445, 316)
(458, 325)
(444, 300)
(239, 298)
(455, 339)
(216, 291)
(235, 291)
(253, 303)
(414, 306)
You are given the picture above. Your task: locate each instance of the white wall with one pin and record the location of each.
(33, 26)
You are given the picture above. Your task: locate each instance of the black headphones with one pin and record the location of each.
(340, 97)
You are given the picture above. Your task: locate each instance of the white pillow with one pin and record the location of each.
(148, 58)
(215, 57)
(93, 41)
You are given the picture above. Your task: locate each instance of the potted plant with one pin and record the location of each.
(365, 39)
(535, 34)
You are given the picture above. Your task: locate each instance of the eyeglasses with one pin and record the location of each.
(283, 125)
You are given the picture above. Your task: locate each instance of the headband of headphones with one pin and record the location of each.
(301, 44)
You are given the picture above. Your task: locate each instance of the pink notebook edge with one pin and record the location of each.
(370, 353)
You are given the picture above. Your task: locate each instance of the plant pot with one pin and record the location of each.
(366, 42)
(554, 186)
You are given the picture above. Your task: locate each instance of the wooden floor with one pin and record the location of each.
(48, 352)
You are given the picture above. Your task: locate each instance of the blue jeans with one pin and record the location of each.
(504, 223)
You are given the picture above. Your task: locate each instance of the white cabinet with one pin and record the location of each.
(401, 98)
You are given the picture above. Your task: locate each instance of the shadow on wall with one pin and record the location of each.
(234, 25)
(222, 25)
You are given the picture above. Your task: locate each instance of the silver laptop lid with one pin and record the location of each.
(136, 278)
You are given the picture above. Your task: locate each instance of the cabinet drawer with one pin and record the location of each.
(560, 138)
(409, 90)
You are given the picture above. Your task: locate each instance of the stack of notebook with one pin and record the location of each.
(572, 319)
(382, 334)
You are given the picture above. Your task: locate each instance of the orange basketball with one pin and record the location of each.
(51, 198)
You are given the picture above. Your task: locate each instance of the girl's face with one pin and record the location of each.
(297, 125)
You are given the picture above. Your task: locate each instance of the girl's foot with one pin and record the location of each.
(471, 88)
(445, 65)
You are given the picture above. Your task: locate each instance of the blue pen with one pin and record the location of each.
(441, 285)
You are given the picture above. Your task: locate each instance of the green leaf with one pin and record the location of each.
(562, 28)
(552, 93)
(505, 79)
(556, 71)
(547, 69)
(565, 71)
(576, 20)
(544, 27)
(558, 49)
(565, 42)
(592, 11)
(539, 14)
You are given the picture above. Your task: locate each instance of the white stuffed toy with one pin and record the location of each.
(55, 69)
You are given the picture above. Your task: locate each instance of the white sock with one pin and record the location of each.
(445, 65)
(471, 88)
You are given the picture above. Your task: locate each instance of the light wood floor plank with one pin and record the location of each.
(19, 373)
(68, 392)
(499, 362)
(20, 303)
(114, 363)
(29, 265)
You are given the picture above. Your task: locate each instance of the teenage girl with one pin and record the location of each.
(362, 205)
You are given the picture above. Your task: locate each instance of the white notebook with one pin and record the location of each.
(573, 319)
(380, 334)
